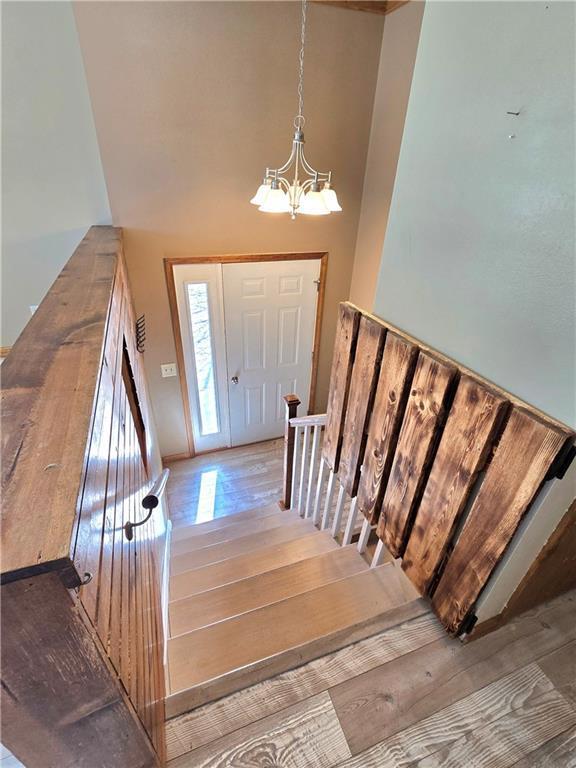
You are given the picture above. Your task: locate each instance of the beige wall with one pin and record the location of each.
(192, 100)
(397, 57)
(52, 183)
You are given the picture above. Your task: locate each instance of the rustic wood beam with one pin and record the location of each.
(372, 6)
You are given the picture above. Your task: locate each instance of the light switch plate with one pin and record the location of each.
(168, 369)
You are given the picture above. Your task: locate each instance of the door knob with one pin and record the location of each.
(234, 379)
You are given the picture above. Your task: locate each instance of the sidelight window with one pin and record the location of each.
(199, 306)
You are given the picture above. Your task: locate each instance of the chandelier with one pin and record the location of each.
(310, 191)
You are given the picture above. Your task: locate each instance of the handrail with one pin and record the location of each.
(314, 420)
(149, 502)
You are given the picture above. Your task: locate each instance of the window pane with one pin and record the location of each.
(202, 341)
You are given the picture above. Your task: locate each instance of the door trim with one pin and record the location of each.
(171, 261)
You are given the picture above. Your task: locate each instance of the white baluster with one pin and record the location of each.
(351, 522)
(303, 467)
(364, 536)
(312, 473)
(328, 501)
(379, 554)
(338, 513)
(295, 467)
(321, 476)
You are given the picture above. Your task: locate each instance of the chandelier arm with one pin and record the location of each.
(301, 160)
(298, 148)
(283, 183)
(306, 165)
(290, 160)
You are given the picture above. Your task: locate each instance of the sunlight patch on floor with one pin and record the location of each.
(207, 497)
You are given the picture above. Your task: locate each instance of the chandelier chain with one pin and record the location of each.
(297, 187)
(300, 116)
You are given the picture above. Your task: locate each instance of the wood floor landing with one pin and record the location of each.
(239, 650)
(408, 697)
(225, 482)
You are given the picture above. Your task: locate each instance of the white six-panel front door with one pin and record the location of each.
(270, 312)
(247, 332)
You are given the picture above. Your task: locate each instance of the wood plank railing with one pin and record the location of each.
(441, 464)
(82, 644)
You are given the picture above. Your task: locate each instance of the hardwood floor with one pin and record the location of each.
(225, 482)
(408, 697)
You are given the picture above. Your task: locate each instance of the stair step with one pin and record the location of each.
(216, 660)
(266, 559)
(199, 529)
(222, 603)
(233, 531)
(242, 546)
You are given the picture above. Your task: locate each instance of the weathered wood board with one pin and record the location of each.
(396, 372)
(74, 712)
(464, 448)
(48, 385)
(342, 362)
(421, 425)
(360, 399)
(526, 450)
(306, 734)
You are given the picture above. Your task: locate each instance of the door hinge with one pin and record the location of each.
(318, 284)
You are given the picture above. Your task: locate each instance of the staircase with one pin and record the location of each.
(262, 591)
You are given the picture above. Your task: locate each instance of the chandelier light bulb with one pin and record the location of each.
(313, 204)
(330, 199)
(276, 201)
(308, 191)
(262, 192)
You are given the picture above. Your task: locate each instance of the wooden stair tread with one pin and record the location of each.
(266, 559)
(214, 660)
(236, 547)
(233, 531)
(218, 604)
(199, 529)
